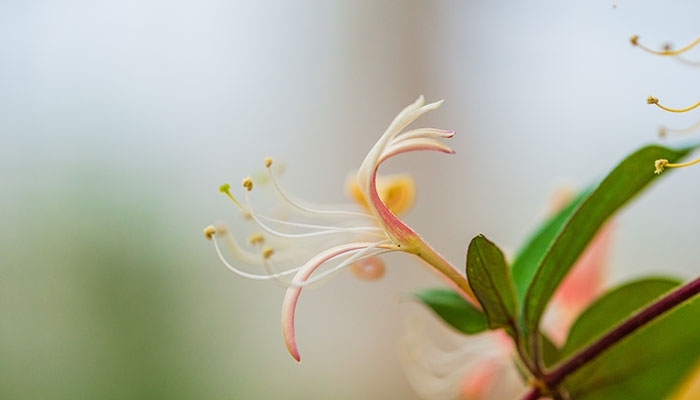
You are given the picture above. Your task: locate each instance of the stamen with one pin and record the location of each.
(267, 252)
(353, 259)
(209, 231)
(370, 230)
(307, 209)
(256, 238)
(244, 274)
(248, 183)
(667, 51)
(654, 100)
(661, 164)
(663, 131)
(356, 256)
(236, 250)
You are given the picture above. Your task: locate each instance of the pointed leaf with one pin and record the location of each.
(625, 181)
(454, 309)
(612, 308)
(489, 278)
(529, 257)
(647, 365)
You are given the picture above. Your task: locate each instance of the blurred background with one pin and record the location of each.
(120, 119)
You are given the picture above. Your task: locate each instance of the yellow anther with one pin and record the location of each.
(660, 164)
(248, 183)
(267, 252)
(256, 238)
(221, 229)
(226, 189)
(268, 162)
(654, 100)
(667, 48)
(209, 231)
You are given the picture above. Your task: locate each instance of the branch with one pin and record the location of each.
(533, 394)
(628, 327)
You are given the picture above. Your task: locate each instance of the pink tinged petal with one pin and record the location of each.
(480, 381)
(415, 144)
(293, 292)
(401, 233)
(403, 236)
(424, 133)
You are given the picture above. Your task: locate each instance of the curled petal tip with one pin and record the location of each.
(291, 344)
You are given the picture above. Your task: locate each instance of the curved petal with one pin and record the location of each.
(416, 144)
(424, 133)
(293, 292)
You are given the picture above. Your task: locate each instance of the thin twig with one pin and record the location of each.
(628, 327)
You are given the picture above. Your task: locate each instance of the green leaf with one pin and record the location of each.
(624, 182)
(454, 309)
(647, 365)
(489, 278)
(551, 354)
(529, 257)
(613, 308)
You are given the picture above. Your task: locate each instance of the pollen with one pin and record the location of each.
(667, 49)
(209, 232)
(660, 164)
(248, 183)
(256, 238)
(268, 162)
(267, 252)
(654, 100)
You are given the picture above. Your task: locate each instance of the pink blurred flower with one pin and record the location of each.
(487, 370)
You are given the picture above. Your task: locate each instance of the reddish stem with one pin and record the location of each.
(628, 327)
(533, 394)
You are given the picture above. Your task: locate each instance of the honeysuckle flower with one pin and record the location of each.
(480, 367)
(364, 235)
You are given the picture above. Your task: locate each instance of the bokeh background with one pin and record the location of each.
(120, 119)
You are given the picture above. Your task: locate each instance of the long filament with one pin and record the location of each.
(675, 110)
(682, 165)
(357, 255)
(664, 131)
(665, 52)
(369, 230)
(311, 210)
